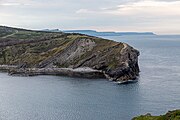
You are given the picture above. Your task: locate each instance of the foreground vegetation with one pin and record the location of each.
(171, 115)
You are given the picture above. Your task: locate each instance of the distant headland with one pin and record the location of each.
(96, 33)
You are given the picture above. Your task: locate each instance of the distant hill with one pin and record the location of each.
(51, 30)
(95, 33)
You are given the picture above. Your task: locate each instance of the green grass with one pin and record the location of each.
(22, 35)
(172, 115)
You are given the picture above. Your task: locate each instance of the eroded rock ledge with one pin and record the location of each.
(79, 72)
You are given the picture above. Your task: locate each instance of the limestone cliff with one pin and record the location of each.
(36, 52)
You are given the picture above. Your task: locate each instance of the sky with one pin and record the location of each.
(158, 16)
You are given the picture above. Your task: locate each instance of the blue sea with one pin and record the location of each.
(66, 98)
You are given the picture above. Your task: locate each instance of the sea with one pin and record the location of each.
(65, 98)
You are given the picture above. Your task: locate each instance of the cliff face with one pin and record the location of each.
(44, 50)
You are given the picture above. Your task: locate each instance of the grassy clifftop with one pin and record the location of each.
(32, 47)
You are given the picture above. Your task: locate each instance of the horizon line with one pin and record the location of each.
(26, 28)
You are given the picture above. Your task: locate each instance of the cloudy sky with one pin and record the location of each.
(159, 16)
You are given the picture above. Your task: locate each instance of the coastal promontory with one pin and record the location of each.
(28, 52)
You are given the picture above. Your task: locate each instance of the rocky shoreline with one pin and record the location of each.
(84, 72)
(78, 72)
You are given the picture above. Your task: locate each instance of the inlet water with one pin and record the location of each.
(65, 98)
